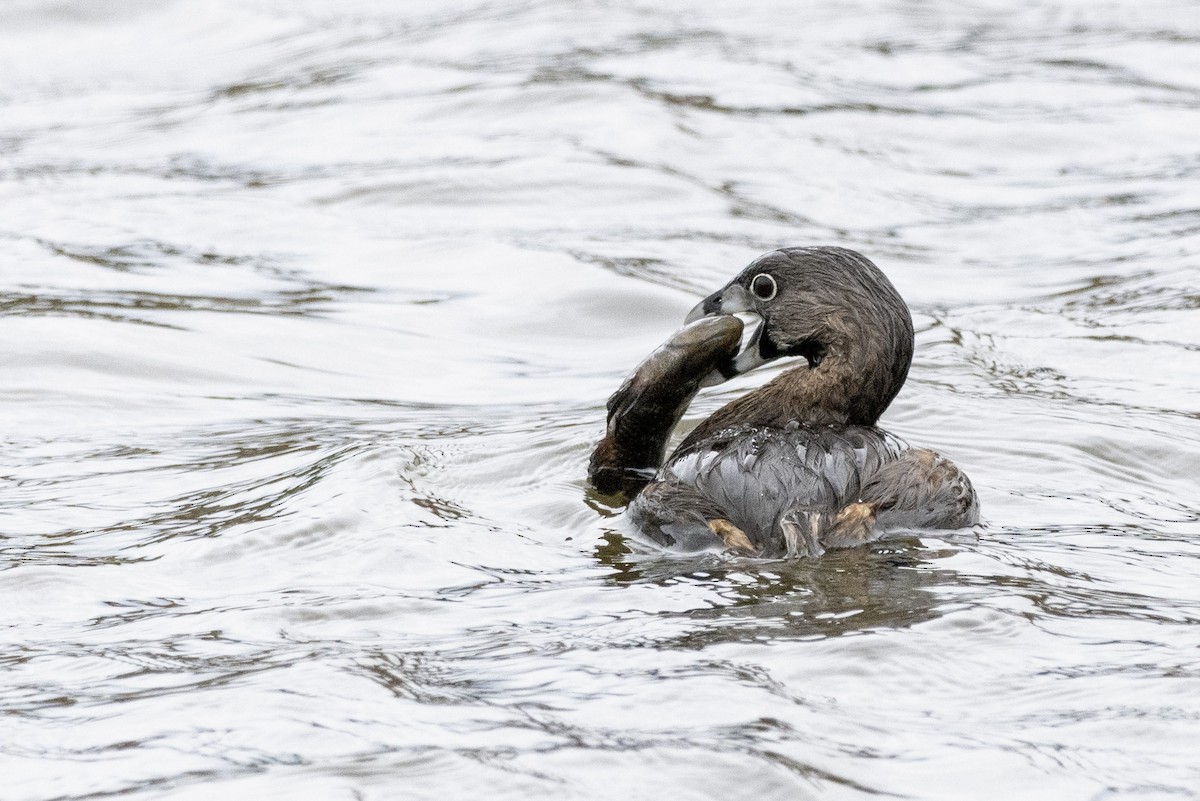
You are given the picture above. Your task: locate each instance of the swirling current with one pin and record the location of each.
(309, 313)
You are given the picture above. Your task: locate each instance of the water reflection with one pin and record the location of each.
(889, 585)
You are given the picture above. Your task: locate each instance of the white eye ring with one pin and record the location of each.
(763, 286)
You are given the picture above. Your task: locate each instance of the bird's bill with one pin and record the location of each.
(733, 301)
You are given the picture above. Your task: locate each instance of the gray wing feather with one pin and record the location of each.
(756, 475)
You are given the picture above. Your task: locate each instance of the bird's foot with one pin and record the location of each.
(854, 525)
(734, 538)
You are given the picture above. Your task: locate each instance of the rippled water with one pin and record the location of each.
(309, 315)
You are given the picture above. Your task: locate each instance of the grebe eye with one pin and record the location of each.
(763, 286)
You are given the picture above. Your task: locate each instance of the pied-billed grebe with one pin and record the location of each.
(796, 466)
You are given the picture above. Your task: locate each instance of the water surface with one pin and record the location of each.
(310, 312)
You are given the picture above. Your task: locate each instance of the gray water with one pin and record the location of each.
(309, 311)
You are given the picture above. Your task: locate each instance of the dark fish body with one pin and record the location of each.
(648, 405)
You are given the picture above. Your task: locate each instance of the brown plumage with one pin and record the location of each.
(796, 466)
